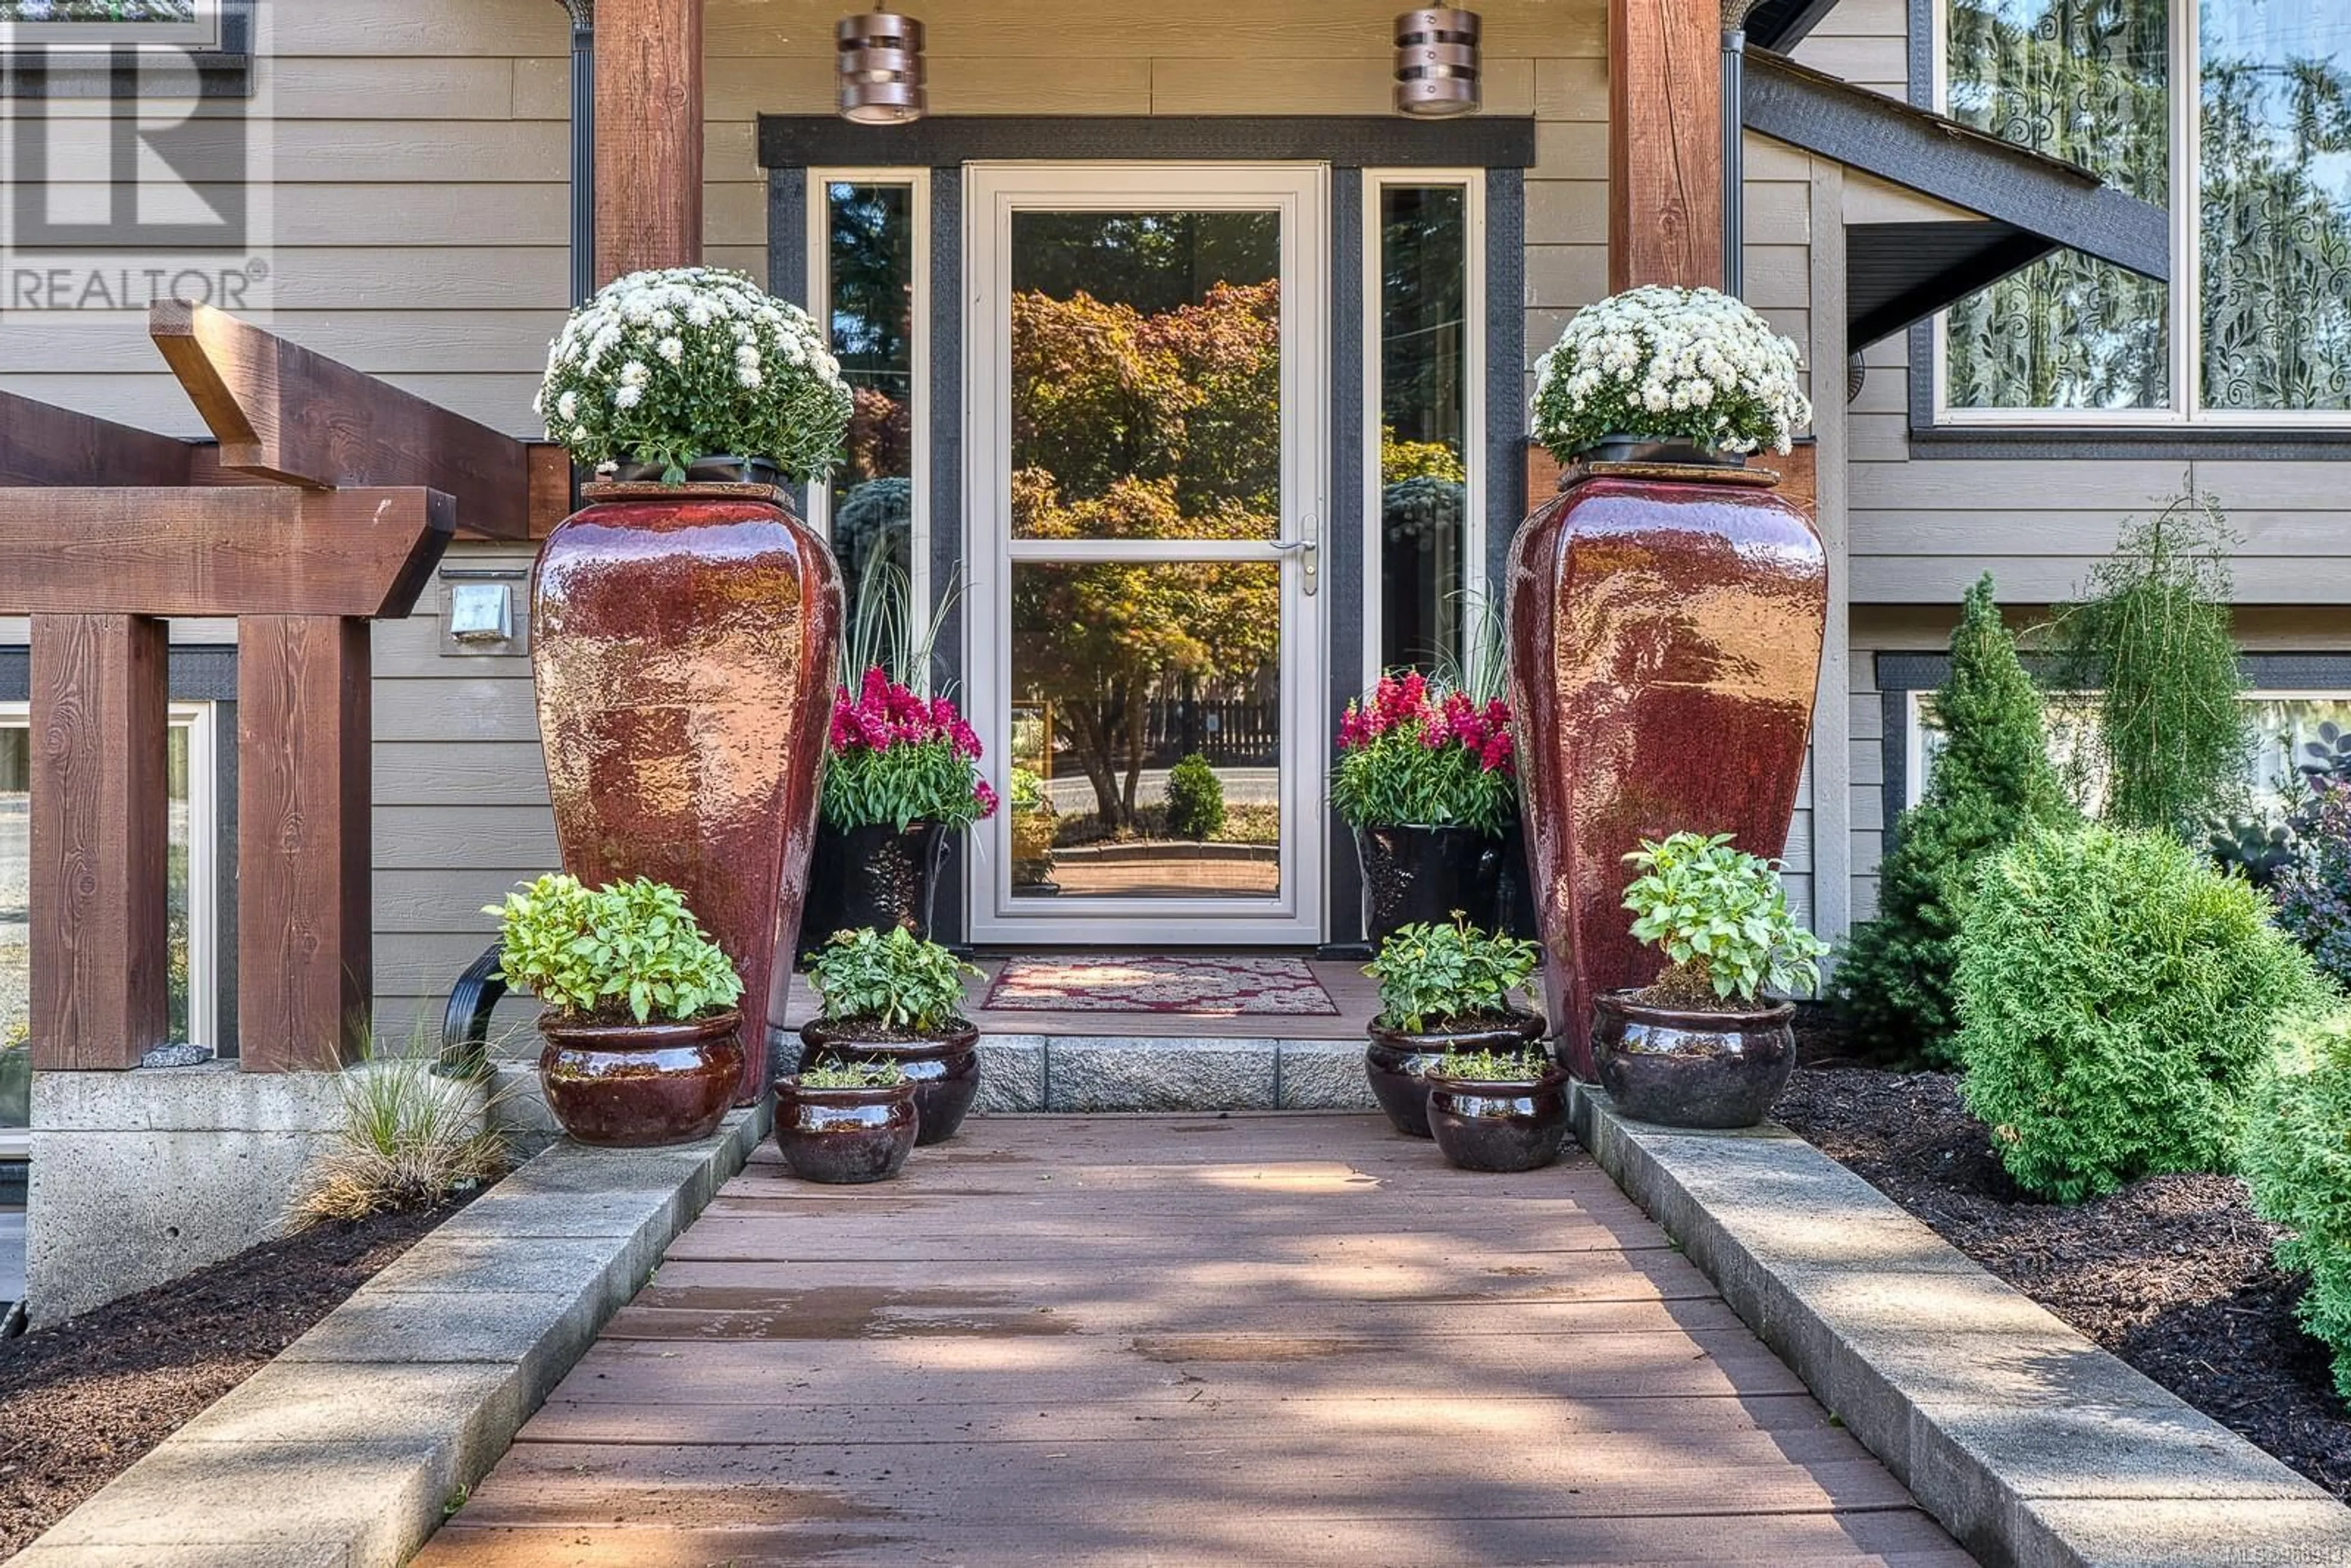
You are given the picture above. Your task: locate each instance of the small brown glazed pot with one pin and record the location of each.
(637, 1086)
(1395, 1063)
(1482, 1127)
(945, 1072)
(1683, 1068)
(845, 1137)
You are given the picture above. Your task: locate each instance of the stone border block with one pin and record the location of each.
(346, 1451)
(1324, 1075)
(2031, 1445)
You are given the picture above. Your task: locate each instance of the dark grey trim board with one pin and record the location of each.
(1899, 675)
(949, 576)
(1898, 274)
(1357, 141)
(194, 675)
(1344, 589)
(1506, 367)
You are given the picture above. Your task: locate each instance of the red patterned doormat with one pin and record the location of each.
(1217, 988)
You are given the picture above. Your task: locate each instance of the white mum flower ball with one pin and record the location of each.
(628, 395)
(567, 406)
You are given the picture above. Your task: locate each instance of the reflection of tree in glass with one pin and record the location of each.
(2087, 80)
(1129, 425)
(98, 10)
(1150, 262)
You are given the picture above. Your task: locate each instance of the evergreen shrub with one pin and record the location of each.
(1992, 779)
(1195, 800)
(2297, 1159)
(2117, 994)
(2314, 893)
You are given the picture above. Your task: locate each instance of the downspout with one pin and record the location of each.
(583, 146)
(1734, 143)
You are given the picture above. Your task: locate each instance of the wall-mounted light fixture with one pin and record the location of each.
(1436, 62)
(880, 67)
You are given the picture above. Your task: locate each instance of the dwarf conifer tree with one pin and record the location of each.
(1991, 779)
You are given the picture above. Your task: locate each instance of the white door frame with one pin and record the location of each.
(1299, 192)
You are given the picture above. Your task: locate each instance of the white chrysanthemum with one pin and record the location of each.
(567, 406)
(1689, 364)
(671, 349)
(628, 396)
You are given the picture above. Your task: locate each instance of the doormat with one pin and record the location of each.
(1220, 988)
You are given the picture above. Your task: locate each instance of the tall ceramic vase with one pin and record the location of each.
(683, 638)
(1665, 625)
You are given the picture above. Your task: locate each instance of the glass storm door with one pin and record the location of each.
(1148, 377)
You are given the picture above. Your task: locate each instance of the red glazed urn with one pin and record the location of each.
(1665, 625)
(683, 639)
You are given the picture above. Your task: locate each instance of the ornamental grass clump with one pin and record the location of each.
(893, 982)
(1421, 753)
(2297, 1160)
(410, 1138)
(667, 366)
(1436, 977)
(627, 952)
(1991, 779)
(2117, 994)
(1721, 916)
(1660, 363)
(898, 757)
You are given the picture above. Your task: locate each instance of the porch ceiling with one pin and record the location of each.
(2027, 204)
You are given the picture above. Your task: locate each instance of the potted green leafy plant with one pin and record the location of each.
(1427, 780)
(890, 995)
(1708, 1043)
(847, 1122)
(642, 1021)
(1497, 1110)
(1444, 988)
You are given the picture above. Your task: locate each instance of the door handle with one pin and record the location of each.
(1309, 551)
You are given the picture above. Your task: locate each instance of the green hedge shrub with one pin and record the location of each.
(1195, 800)
(2297, 1157)
(1991, 779)
(2115, 995)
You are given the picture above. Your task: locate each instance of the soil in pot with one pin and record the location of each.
(1680, 1067)
(1498, 1126)
(943, 1068)
(1397, 1062)
(636, 1086)
(1416, 875)
(846, 1137)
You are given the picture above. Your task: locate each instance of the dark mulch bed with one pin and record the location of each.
(81, 1402)
(2171, 1274)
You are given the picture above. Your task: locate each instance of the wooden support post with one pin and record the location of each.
(304, 973)
(100, 827)
(1664, 143)
(648, 135)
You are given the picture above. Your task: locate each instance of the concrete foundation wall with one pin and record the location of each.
(140, 1178)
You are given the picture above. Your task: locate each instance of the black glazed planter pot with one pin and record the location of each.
(1680, 1068)
(945, 1072)
(845, 1137)
(1482, 1127)
(1398, 1064)
(876, 876)
(1413, 875)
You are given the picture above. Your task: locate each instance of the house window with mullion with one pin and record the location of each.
(2259, 326)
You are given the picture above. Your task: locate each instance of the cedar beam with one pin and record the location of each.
(44, 445)
(225, 551)
(99, 825)
(1664, 143)
(284, 412)
(305, 972)
(648, 135)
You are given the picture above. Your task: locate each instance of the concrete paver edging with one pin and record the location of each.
(2031, 1445)
(349, 1448)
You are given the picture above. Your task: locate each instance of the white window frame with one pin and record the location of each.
(201, 720)
(819, 293)
(201, 31)
(2183, 295)
(1914, 776)
(1473, 459)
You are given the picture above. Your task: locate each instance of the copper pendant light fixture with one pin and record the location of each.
(1436, 62)
(880, 67)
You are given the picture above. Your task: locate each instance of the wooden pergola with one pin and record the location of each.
(325, 504)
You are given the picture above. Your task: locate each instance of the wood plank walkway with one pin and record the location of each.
(1261, 1340)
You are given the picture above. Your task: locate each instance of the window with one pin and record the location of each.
(2283, 724)
(191, 901)
(2254, 166)
(1423, 440)
(868, 274)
